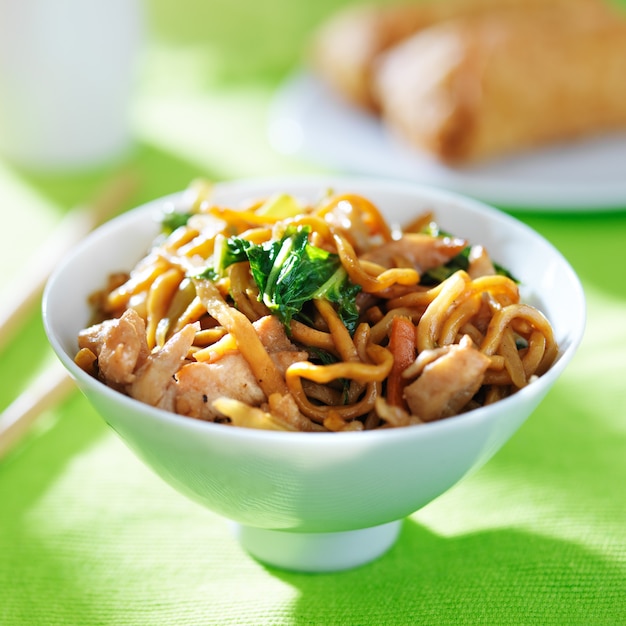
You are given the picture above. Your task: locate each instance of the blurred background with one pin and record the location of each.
(87, 535)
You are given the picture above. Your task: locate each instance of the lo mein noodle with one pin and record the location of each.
(313, 317)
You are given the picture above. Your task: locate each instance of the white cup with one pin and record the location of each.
(67, 73)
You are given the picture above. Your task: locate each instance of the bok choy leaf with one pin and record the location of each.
(290, 272)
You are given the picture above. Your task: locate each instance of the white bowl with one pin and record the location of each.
(318, 501)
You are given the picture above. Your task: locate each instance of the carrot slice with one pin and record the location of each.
(402, 339)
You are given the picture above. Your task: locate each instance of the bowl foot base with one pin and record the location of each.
(317, 552)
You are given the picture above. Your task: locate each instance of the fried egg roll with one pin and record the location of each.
(346, 45)
(476, 88)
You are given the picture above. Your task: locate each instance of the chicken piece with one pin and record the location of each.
(120, 345)
(447, 383)
(272, 334)
(480, 263)
(154, 380)
(421, 251)
(198, 384)
(286, 411)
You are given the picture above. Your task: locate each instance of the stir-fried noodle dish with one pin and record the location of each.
(318, 316)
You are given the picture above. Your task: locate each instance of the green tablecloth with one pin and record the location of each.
(88, 535)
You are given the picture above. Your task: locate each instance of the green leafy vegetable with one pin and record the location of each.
(502, 271)
(209, 273)
(229, 251)
(459, 262)
(290, 272)
(440, 273)
(173, 220)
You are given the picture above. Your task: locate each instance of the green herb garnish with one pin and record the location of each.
(459, 262)
(290, 272)
(440, 273)
(173, 220)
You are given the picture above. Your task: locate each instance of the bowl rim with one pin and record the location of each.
(262, 185)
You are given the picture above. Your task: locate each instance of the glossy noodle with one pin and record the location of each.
(313, 317)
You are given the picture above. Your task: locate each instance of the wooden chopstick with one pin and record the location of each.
(53, 384)
(45, 392)
(25, 289)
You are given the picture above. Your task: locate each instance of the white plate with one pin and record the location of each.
(308, 121)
